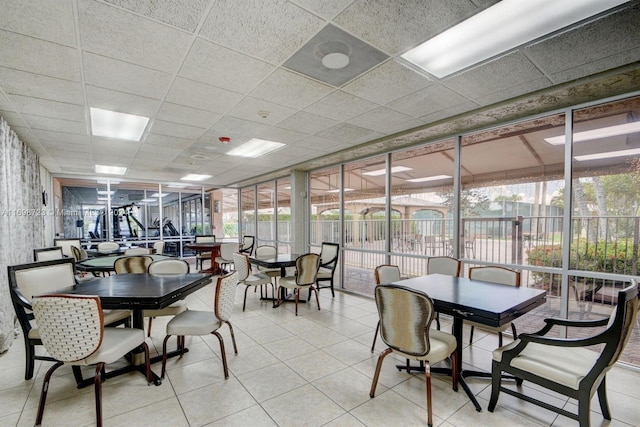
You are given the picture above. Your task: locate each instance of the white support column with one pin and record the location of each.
(299, 212)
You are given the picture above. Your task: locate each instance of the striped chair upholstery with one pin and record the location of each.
(384, 274)
(246, 278)
(72, 330)
(198, 323)
(405, 327)
(305, 277)
(136, 264)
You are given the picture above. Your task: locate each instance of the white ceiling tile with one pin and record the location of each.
(340, 106)
(218, 66)
(249, 109)
(449, 112)
(165, 141)
(12, 118)
(5, 104)
(201, 96)
(152, 152)
(125, 77)
(175, 129)
(384, 120)
(379, 21)
(38, 86)
(58, 125)
(271, 31)
(306, 122)
(46, 108)
(43, 19)
(286, 136)
(427, 101)
(185, 14)
(60, 146)
(112, 32)
(63, 137)
(46, 58)
(386, 83)
(186, 115)
(228, 125)
(347, 133)
(324, 8)
(291, 89)
(319, 143)
(121, 102)
(496, 76)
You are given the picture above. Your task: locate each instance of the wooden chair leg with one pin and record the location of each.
(297, 293)
(45, 389)
(317, 297)
(149, 327)
(223, 354)
(244, 304)
(384, 354)
(164, 356)
(233, 337)
(375, 336)
(97, 382)
(427, 372)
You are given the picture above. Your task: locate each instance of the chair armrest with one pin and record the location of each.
(563, 342)
(554, 321)
(21, 299)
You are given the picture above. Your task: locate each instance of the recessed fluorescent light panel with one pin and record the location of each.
(195, 177)
(112, 170)
(499, 28)
(597, 133)
(148, 200)
(105, 192)
(110, 124)
(255, 148)
(176, 185)
(608, 155)
(106, 181)
(394, 169)
(338, 190)
(159, 194)
(430, 178)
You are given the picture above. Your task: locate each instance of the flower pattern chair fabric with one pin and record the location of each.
(305, 277)
(199, 323)
(27, 280)
(73, 333)
(246, 278)
(573, 367)
(169, 266)
(405, 327)
(502, 276)
(384, 274)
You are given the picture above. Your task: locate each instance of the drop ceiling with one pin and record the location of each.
(202, 69)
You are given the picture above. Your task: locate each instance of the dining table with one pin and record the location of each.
(281, 261)
(137, 292)
(463, 299)
(214, 248)
(106, 264)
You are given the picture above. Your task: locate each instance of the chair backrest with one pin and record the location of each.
(47, 254)
(206, 239)
(108, 246)
(329, 255)
(495, 274)
(66, 244)
(158, 247)
(307, 269)
(405, 318)
(621, 323)
(387, 274)
(444, 265)
(137, 251)
(225, 296)
(37, 278)
(266, 252)
(71, 326)
(79, 254)
(247, 244)
(227, 250)
(136, 264)
(168, 266)
(242, 266)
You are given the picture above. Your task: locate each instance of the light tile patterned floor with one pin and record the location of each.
(311, 370)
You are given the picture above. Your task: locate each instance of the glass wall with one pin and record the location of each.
(248, 211)
(283, 214)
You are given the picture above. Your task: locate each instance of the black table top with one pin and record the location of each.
(106, 263)
(279, 261)
(139, 291)
(483, 302)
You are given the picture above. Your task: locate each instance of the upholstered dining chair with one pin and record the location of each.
(227, 249)
(169, 266)
(384, 274)
(47, 254)
(27, 280)
(443, 265)
(304, 278)
(66, 244)
(158, 247)
(135, 264)
(248, 279)
(199, 323)
(573, 367)
(202, 256)
(329, 253)
(248, 242)
(137, 251)
(268, 252)
(108, 246)
(79, 254)
(73, 333)
(405, 327)
(502, 276)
